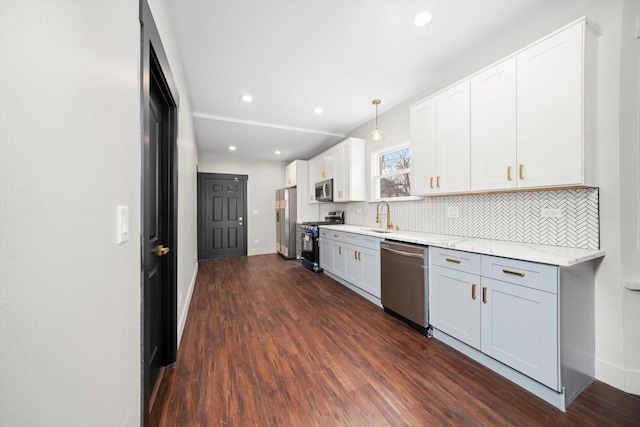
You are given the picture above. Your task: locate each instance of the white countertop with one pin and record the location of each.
(555, 255)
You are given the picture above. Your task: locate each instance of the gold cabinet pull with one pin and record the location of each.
(457, 261)
(161, 250)
(508, 173)
(431, 182)
(473, 291)
(484, 294)
(336, 236)
(355, 254)
(340, 194)
(289, 182)
(438, 181)
(521, 170)
(340, 250)
(324, 174)
(515, 273)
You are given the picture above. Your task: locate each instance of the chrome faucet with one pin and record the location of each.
(388, 214)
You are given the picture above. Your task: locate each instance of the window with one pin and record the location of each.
(391, 172)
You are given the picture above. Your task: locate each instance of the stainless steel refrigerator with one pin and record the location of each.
(286, 212)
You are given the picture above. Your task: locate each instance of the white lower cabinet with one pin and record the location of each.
(355, 259)
(453, 310)
(519, 318)
(326, 251)
(520, 329)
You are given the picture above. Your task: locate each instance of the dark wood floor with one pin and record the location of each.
(269, 343)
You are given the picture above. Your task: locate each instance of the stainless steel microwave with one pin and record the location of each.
(324, 191)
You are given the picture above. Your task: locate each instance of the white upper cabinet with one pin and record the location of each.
(440, 134)
(453, 136)
(550, 115)
(349, 180)
(525, 122)
(290, 177)
(345, 164)
(493, 127)
(423, 145)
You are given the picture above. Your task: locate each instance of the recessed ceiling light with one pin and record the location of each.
(318, 110)
(423, 19)
(246, 98)
(277, 151)
(232, 148)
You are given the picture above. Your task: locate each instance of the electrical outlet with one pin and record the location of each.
(453, 212)
(551, 212)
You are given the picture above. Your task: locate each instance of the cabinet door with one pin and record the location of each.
(520, 329)
(549, 103)
(326, 256)
(453, 135)
(314, 176)
(290, 175)
(341, 161)
(353, 268)
(493, 127)
(423, 147)
(328, 170)
(370, 264)
(338, 256)
(453, 304)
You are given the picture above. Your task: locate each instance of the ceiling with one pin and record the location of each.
(295, 55)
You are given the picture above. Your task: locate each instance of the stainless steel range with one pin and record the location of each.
(310, 256)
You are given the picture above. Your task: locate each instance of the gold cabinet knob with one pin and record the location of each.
(161, 250)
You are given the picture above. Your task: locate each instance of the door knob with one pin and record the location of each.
(161, 250)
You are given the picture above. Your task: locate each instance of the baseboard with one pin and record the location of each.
(187, 303)
(261, 251)
(610, 374)
(627, 380)
(632, 381)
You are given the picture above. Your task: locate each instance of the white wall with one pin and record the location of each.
(265, 177)
(630, 189)
(617, 314)
(70, 153)
(187, 161)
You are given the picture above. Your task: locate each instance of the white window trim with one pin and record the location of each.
(373, 187)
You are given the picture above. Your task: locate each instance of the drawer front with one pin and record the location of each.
(456, 260)
(362, 240)
(533, 275)
(332, 235)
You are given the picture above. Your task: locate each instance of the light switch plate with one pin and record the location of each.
(123, 224)
(453, 212)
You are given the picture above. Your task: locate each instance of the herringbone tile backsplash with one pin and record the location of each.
(514, 217)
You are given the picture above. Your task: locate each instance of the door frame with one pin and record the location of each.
(206, 175)
(154, 60)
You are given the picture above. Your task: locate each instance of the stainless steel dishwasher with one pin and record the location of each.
(404, 278)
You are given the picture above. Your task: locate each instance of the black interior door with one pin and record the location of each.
(157, 243)
(159, 104)
(222, 215)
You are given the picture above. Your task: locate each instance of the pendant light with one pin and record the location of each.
(376, 134)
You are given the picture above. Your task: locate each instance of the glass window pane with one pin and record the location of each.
(395, 186)
(395, 162)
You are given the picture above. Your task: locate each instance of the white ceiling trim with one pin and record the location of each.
(266, 125)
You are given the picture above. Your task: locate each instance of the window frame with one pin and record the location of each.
(376, 176)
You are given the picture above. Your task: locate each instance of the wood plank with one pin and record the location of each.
(269, 343)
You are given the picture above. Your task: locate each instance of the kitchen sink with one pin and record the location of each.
(378, 230)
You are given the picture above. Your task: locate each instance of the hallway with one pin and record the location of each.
(267, 342)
